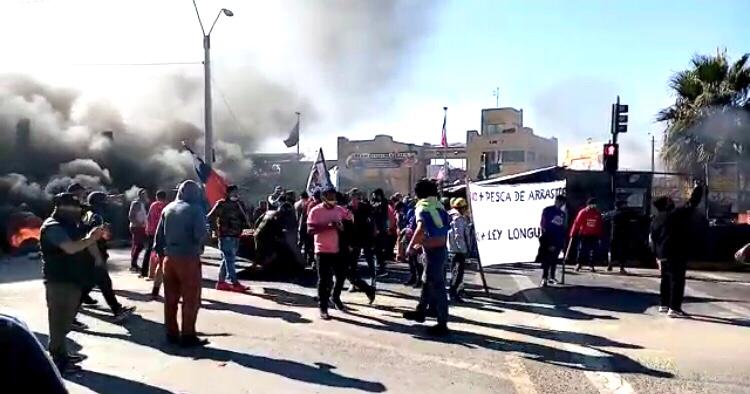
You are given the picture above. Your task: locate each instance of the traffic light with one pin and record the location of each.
(611, 157)
(619, 117)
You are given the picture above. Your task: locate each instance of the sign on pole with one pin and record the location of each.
(507, 217)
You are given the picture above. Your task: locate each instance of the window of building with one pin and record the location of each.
(513, 156)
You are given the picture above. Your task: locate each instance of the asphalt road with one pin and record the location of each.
(599, 333)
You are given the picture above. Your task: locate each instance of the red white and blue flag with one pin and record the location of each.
(214, 184)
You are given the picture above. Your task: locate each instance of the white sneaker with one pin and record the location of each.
(676, 314)
(663, 309)
(552, 281)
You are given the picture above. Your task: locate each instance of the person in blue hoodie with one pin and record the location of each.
(180, 237)
(552, 240)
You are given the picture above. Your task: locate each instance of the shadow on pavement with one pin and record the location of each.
(147, 333)
(608, 362)
(288, 298)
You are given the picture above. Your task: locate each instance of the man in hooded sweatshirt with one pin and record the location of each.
(180, 237)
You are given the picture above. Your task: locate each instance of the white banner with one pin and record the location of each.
(507, 217)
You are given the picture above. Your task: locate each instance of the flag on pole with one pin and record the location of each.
(444, 136)
(293, 138)
(214, 184)
(319, 177)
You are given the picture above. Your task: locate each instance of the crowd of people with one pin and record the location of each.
(326, 230)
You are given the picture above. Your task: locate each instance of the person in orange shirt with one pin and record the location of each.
(587, 229)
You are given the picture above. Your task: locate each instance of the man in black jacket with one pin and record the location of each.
(671, 237)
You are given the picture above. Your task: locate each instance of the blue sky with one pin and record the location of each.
(564, 62)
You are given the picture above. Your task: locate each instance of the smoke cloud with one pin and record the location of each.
(356, 50)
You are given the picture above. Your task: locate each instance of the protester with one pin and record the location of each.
(303, 238)
(459, 243)
(138, 215)
(78, 191)
(415, 268)
(587, 230)
(433, 224)
(228, 218)
(273, 199)
(67, 269)
(269, 240)
(287, 217)
(348, 256)
(363, 233)
(180, 238)
(622, 234)
(97, 202)
(671, 237)
(324, 222)
(380, 215)
(309, 245)
(259, 212)
(552, 240)
(152, 221)
(23, 362)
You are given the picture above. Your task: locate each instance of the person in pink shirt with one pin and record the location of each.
(152, 222)
(324, 222)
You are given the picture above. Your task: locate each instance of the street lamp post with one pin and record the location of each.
(208, 106)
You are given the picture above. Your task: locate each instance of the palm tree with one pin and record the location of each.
(710, 119)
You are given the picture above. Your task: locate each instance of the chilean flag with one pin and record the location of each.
(214, 184)
(444, 135)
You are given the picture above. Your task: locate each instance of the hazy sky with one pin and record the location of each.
(563, 62)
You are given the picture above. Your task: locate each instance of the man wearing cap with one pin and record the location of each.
(459, 244)
(67, 267)
(138, 215)
(324, 222)
(229, 218)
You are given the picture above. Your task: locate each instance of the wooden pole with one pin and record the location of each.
(479, 261)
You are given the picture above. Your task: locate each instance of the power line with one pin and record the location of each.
(229, 107)
(138, 64)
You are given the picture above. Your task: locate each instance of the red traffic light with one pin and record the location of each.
(610, 150)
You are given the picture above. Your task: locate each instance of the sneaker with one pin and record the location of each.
(324, 315)
(543, 283)
(414, 316)
(338, 305)
(224, 286)
(676, 314)
(623, 272)
(173, 339)
(135, 270)
(593, 269)
(78, 326)
(353, 289)
(76, 358)
(371, 296)
(456, 299)
(578, 268)
(663, 309)
(155, 295)
(418, 285)
(193, 341)
(123, 313)
(240, 288)
(609, 268)
(438, 330)
(552, 281)
(87, 300)
(67, 368)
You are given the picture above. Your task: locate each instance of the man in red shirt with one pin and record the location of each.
(587, 228)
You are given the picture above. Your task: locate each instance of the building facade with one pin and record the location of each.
(505, 146)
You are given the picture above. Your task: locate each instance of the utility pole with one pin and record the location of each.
(653, 151)
(496, 93)
(208, 152)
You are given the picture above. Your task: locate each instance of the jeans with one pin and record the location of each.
(138, 239)
(329, 265)
(587, 248)
(63, 300)
(182, 280)
(229, 247)
(458, 265)
(369, 254)
(351, 264)
(381, 251)
(433, 291)
(547, 256)
(672, 289)
(104, 283)
(147, 255)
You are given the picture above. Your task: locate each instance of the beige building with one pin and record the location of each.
(505, 146)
